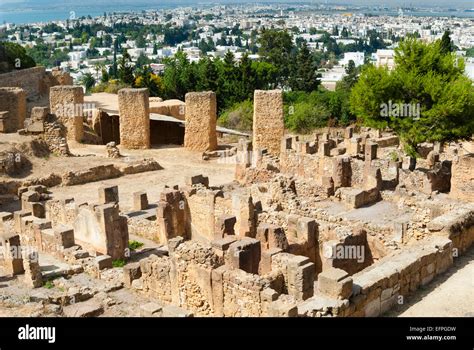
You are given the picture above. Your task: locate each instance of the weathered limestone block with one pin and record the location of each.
(271, 236)
(103, 262)
(140, 201)
(172, 220)
(282, 308)
(64, 236)
(33, 277)
(201, 117)
(301, 272)
(220, 246)
(197, 180)
(370, 151)
(103, 228)
(67, 103)
(373, 177)
(432, 158)
(244, 254)
(268, 128)
(134, 118)
(150, 310)
(225, 226)
(266, 260)
(12, 259)
(438, 178)
(324, 148)
(108, 195)
(335, 283)
(348, 132)
(342, 171)
(244, 210)
(462, 179)
(457, 225)
(131, 272)
(12, 100)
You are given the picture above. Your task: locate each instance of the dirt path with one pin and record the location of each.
(450, 294)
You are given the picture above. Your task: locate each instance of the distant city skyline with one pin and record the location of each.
(414, 3)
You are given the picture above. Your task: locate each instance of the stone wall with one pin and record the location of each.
(34, 81)
(134, 114)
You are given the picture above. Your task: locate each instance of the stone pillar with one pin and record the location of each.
(114, 228)
(342, 171)
(13, 100)
(108, 195)
(301, 274)
(348, 132)
(268, 127)
(12, 260)
(244, 211)
(33, 276)
(134, 114)
(67, 103)
(140, 201)
(324, 148)
(243, 159)
(462, 179)
(201, 118)
(370, 151)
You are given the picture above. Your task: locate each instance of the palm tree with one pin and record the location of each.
(88, 81)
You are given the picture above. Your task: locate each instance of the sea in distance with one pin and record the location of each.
(32, 11)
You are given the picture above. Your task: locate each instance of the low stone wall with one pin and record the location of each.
(457, 225)
(381, 286)
(99, 173)
(378, 288)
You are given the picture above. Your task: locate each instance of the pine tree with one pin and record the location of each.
(125, 70)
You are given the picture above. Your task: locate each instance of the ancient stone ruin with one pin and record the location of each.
(329, 224)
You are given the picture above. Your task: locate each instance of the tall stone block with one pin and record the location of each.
(201, 117)
(67, 103)
(134, 114)
(12, 259)
(12, 100)
(268, 128)
(342, 171)
(462, 179)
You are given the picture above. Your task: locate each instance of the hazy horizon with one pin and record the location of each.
(138, 3)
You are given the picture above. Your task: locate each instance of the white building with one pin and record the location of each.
(385, 58)
(357, 57)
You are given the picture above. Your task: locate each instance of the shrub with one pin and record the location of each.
(239, 116)
(112, 87)
(303, 117)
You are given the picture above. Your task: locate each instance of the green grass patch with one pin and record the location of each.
(118, 263)
(133, 245)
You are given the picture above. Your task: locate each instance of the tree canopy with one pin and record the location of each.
(427, 96)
